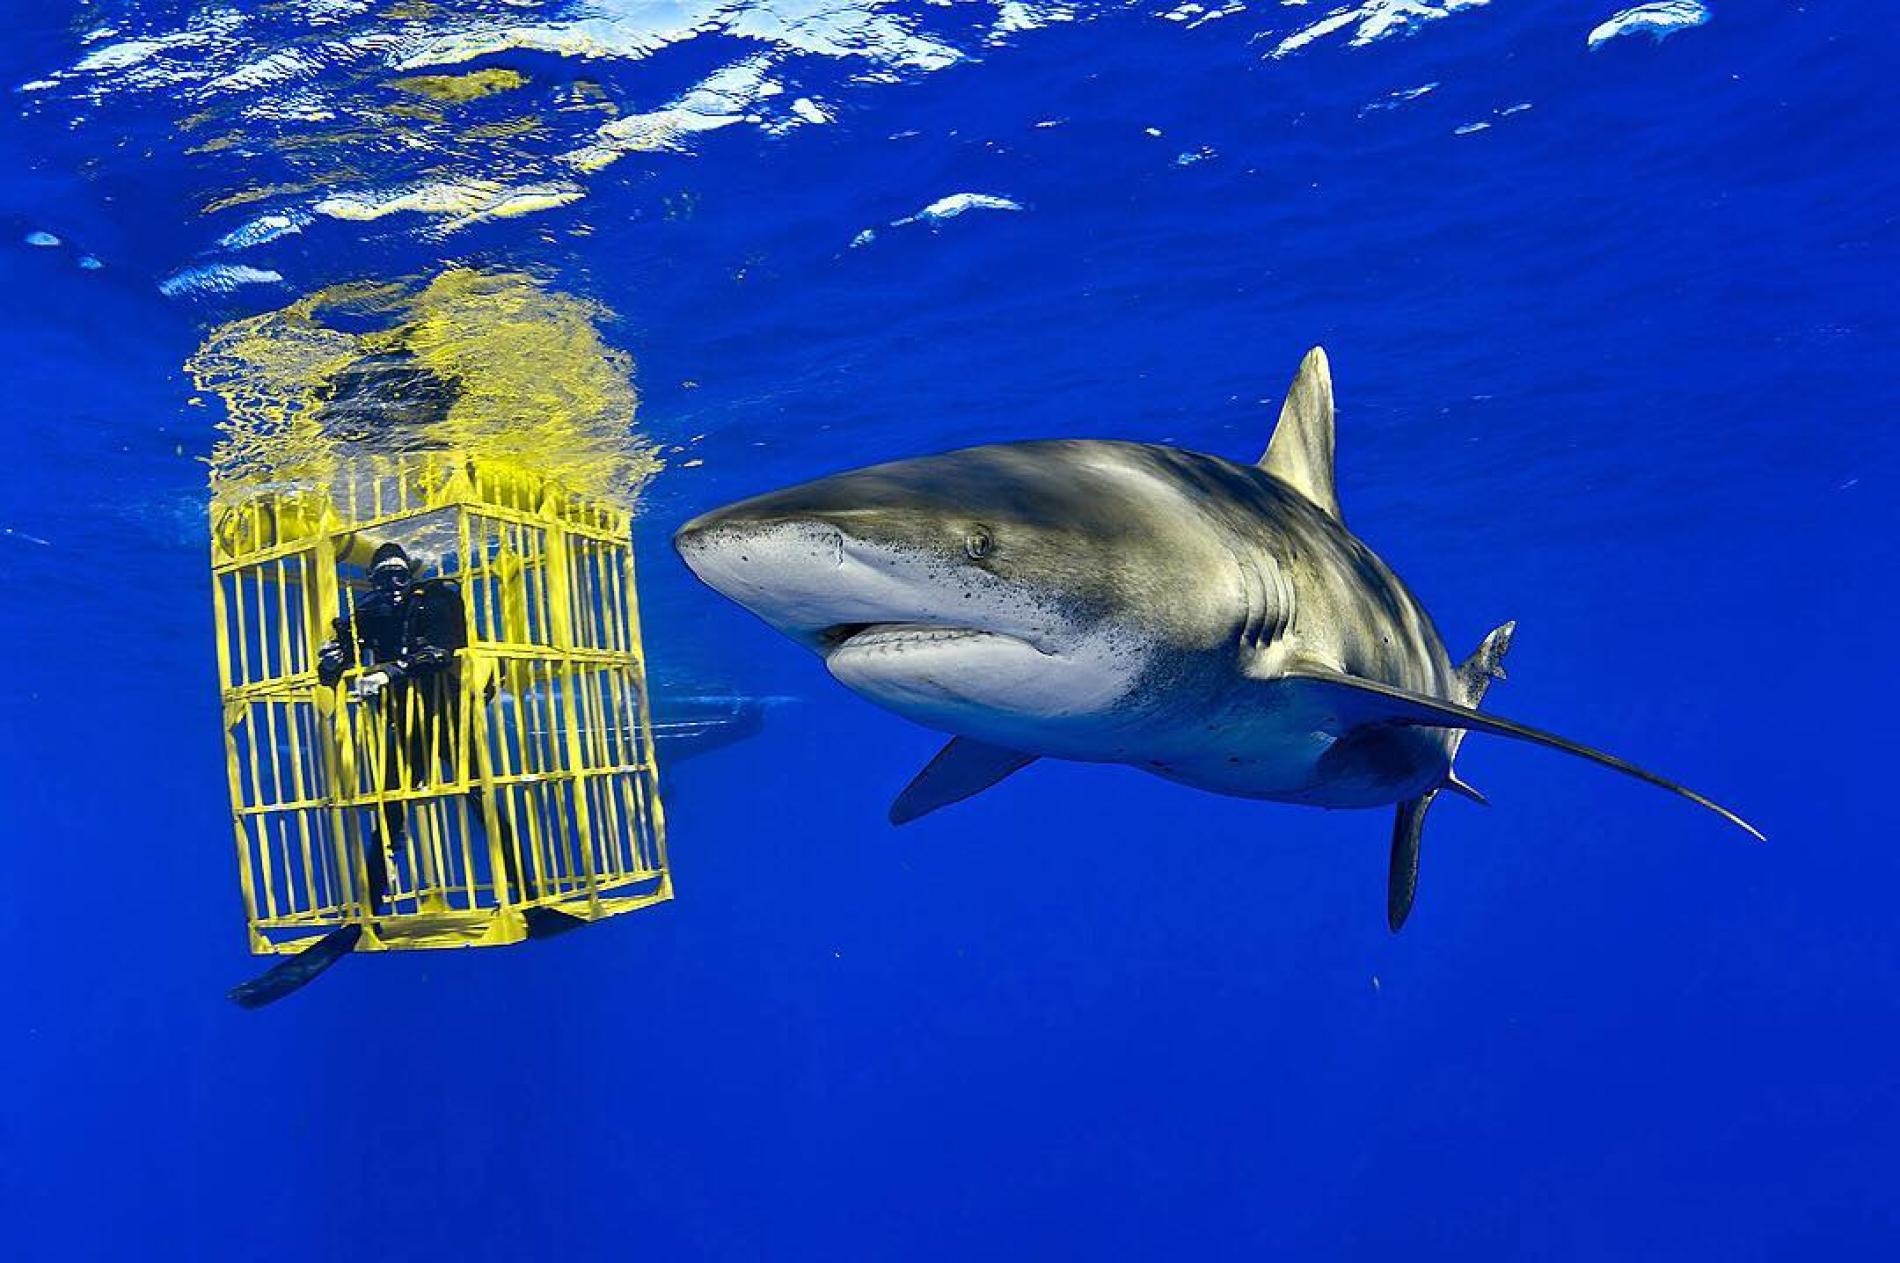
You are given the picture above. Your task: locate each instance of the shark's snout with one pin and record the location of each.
(782, 569)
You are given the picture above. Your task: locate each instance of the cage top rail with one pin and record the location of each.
(259, 521)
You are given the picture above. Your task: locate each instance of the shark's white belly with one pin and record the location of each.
(1096, 703)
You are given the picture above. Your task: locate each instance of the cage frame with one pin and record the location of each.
(318, 525)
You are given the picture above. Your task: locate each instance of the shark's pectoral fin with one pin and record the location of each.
(1367, 702)
(961, 770)
(1401, 884)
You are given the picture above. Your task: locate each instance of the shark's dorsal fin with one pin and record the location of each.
(1300, 453)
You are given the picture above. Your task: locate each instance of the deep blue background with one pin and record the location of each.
(1620, 367)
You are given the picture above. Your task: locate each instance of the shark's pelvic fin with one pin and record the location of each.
(1366, 701)
(1401, 883)
(1464, 789)
(962, 769)
(1300, 453)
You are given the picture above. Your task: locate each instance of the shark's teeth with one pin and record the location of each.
(895, 635)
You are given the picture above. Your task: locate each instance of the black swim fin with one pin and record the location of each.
(547, 922)
(298, 971)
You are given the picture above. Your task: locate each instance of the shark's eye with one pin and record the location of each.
(979, 544)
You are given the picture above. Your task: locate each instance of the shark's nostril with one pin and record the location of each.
(690, 536)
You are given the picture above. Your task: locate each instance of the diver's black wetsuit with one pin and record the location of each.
(413, 635)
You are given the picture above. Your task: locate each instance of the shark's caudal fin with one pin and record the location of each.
(1486, 663)
(962, 769)
(1300, 453)
(1401, 878)
(1474, 678)
(1366, 701)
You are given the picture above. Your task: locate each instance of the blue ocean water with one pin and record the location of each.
(1613, 334)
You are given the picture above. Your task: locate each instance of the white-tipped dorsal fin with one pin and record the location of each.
(1300, 453)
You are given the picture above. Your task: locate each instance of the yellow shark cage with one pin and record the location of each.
(526, 780)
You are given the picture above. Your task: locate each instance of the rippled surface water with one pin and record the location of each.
(1608, 301)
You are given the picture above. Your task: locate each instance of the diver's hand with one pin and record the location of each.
(332, 662)
(370, 685)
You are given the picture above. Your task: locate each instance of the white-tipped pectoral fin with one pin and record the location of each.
(1368, 702)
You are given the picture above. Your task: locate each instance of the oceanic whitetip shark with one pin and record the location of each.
(1110, 602)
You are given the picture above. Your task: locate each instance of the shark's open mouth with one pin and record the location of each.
(867, 637)
(871, 635)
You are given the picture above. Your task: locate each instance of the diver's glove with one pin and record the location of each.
(370, 684)
(332, 662)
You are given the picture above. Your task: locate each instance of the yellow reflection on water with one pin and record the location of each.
(455, 89)
(491, 363)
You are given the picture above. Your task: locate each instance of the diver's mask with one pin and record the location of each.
(391, 576)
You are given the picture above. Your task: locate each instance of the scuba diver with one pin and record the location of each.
(410, 630)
